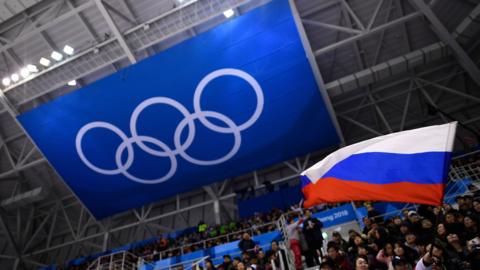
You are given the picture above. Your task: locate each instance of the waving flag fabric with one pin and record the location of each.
(409, 166)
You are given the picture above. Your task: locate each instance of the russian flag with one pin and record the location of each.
(408, 166)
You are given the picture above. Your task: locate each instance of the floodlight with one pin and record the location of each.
(24, 72)
(68, 50)
(15, 77)
(6, 81)
(229, 13)
(44, 62)
(72, 83)
(32, 68)
(56, 56)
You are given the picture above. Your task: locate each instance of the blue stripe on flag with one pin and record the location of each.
(385, 168)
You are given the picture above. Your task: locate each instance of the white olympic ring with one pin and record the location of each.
(162, 149)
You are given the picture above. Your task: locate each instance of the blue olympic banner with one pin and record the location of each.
(231, 100)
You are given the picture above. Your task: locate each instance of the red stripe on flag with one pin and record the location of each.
(332, 190)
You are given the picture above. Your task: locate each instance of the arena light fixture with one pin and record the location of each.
(68, 50)
(44, 62)
(15, 77)
(228, 13)
(6, 81)
(24, 72)
(32, 68)
(72, 83)
(56, 56)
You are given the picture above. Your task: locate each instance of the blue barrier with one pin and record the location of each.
(191, 256)
(166, 262)
(223, 249)
(266, 237)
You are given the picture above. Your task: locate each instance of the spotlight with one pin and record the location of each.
(6, 81)
(15, 77)
(32, 68)
(24, 72)
(44, 62)
(228, 13)
(68, 50)
(56, 56)
(72, 83)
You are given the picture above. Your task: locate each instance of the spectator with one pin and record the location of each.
(209, 265)
(246, 257)
(433, 259)
(361, 263)
(339, 241)
(399, 264)
(473, 253)
(400, 250)
(241, 266)
(235, 262)
(404, 230)
(374, 214)
(451, 224)
(336, 258)
(326, 266)
(455, 252)
(385, 255)
(470, 228)
(247, 244)
(227, 263)
(367, 222)
(261, 259)
(413, 222)
(312, 229)
(293, 235)
(410, 239)
(277, 255)
(202, 227)
(426, 231)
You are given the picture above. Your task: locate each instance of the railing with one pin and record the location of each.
(194, 264)
(203, 243)
(116, 261)
(282, 227)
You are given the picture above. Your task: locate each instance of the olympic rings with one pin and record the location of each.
(162, 149)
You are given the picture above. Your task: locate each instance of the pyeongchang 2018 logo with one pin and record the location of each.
(188, 122)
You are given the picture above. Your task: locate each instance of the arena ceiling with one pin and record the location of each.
(387, 65)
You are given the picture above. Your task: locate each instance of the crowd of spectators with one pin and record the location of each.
(442, 237)
(430, 238)
(206, 236)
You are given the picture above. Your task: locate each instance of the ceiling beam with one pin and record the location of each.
(116, 32)
(465, 61)
(367, 33)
